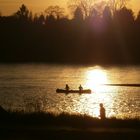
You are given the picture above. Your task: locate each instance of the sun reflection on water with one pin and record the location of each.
(89, 103)
(94, 79)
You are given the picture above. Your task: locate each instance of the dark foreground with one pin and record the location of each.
(20, 126)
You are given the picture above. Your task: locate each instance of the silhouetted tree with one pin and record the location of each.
(95, 20)
(138, 18)
(100, 5)
(85, 35)
(107, 15)
(55, 11)
(35, 18)
(30, 17)
(125, 16)
(41, 19)
(22, 13)
(85, 5)
(137, 25)
(78, 14)
(117, 4)
(94, 13)
(50, 19)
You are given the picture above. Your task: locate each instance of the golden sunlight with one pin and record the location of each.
(94, 79)
(8, 7)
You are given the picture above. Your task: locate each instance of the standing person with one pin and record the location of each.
(80, 88)
(102, 112)
(67, 87)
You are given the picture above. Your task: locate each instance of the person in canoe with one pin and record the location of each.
(67, 87)
(80, 88)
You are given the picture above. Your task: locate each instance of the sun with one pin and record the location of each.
(96, 77)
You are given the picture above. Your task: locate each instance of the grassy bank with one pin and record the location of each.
(65, 119)
(17, 125)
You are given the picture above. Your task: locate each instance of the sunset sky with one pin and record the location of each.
(8, 7)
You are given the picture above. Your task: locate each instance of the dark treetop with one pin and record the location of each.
(97, 39)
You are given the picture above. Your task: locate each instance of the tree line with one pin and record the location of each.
(99, 34)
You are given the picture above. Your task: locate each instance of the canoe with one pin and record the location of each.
(84, 91)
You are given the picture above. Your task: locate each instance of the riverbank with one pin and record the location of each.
(18, 126)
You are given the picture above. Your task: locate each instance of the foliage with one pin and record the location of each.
(101, 38)
(22, 13)
(66, 119)
(117, 4)
(55, 11)
(84, 5)
(78, 14)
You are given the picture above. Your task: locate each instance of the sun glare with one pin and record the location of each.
(95, 78)
(89, 103)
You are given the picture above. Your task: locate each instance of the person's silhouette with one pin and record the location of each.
(80, 88)
(102, 111)
(67, 87)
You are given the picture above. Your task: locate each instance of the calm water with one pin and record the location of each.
(31, 87)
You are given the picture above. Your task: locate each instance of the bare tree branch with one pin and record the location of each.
(55, 11)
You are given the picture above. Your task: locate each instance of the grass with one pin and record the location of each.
(20, 125)
(65, 119)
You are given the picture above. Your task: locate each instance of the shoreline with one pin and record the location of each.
(17, 125)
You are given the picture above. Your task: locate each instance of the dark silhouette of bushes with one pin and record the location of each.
(64, 119)
(110, 38)
(17, 125)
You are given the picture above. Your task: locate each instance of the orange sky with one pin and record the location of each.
(8, 7)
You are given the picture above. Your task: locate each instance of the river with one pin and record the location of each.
(32, 87)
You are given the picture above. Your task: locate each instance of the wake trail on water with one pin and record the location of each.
(124, 85)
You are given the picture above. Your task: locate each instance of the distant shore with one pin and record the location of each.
(107, 37)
